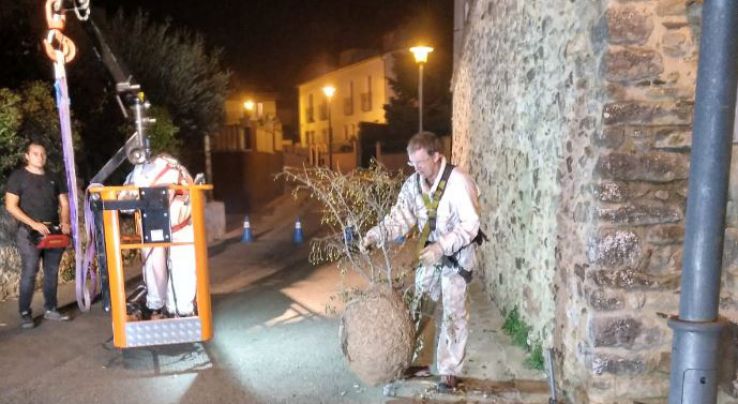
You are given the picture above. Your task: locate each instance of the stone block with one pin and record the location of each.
(647, 113)
(632, 279)
(629, 25)
(639, 215)
(733, 186)
(611, 137)
(614, 248)
(665, 235)
(617, 365)
(616, 332)
(730, 247)
(632, 64)
(676, 44)
(665, 259)
(652, 166)
(677, 140)
(671, 8)
(605, 300)
(610, 192)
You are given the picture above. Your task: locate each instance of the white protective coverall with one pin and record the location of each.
(176, 291)
(457, 224)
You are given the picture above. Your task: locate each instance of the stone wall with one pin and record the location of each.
(527, 102)
(575, 119)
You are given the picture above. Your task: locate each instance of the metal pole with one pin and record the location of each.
(420, 97)
(330, 136)
(697, 329)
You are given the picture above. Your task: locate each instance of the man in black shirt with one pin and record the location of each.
(37, 199)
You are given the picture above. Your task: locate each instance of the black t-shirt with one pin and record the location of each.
(39, 194)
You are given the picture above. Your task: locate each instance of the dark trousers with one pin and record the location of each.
(30, 257)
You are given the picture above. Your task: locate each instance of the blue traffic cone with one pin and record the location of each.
(247, 237)
(297, 236)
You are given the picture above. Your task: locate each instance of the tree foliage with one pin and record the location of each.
(29, 112)
(176, 70)
(402, 111)
(162, 134)
(21, 32)
(351, 204)
(432, 26)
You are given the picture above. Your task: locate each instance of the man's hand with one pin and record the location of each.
(65, 228)
(40, 227)
(431, 255)
(368, 242)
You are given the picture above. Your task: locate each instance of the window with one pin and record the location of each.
(310, 111)
(366, 97)
(348, 102)
(366, 102)
(323, 111)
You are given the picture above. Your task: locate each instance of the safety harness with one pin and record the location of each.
(183, 178)
(431, 207)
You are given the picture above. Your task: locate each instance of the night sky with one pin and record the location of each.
(267, 44)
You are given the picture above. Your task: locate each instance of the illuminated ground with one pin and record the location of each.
(274, 342)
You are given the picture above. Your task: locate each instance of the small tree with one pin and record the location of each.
(377, 332)
(351, 204)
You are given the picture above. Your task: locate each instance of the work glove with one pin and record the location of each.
(431, 255)
(368, 242)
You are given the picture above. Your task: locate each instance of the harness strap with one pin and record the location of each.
(181, 225)
(431, 205)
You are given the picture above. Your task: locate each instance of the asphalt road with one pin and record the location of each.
(273, 341)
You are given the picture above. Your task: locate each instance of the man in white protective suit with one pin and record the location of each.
(169, 277)
(442, 200)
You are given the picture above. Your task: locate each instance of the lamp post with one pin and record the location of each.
(421, 57)
(329, 91)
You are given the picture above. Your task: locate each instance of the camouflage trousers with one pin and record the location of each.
(445, 284)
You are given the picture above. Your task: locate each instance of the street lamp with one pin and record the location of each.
(421, 57)
(329, 91)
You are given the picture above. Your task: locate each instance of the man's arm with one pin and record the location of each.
(64, 213)
(401, 217)
(12, 205)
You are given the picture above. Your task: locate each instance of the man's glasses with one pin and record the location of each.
(415, 164)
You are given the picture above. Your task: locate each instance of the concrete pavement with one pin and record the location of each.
(273, 341)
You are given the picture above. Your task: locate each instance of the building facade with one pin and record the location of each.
(361, 91)
(251, 124)
(247, 152)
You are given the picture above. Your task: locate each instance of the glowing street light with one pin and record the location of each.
(421, 57)
(248, 105)
(329, 91)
